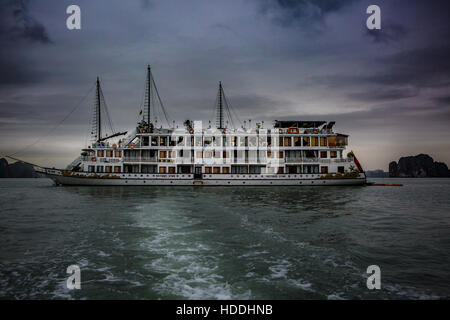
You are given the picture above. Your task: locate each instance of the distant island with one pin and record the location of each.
(420, 166)
(16, 170)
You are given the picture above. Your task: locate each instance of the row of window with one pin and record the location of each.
(244, 154)
(106, 169)
(109, 153)
(234, 141)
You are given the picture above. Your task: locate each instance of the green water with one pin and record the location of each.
(225, 243)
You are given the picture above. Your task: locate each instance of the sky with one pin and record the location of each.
(388, 89)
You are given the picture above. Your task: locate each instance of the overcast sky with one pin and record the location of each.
(305, 59)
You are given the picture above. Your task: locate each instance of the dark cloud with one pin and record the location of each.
(17, 23)
(384, 94)
(302, 12)
(387, 34)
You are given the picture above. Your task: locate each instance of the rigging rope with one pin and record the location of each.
(56, 126)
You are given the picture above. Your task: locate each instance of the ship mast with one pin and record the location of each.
(148, 96)
(98, 114)
(220, 108)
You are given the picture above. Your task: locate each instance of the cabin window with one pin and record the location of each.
(163, 141)
(118, 154)
(116, 169)
(340, 169)
(269, 141)
(252, 141)
(99, 168)
(108, 169)
(109, 153)
(255, 169)
(323, 141)
(198, 141)
(287, 141)
(332, 141)
(333, 154)
(171, 154)
(269, 154)
(207, 154)
(306, 141)
(216, 154)
(199, 154)
(292, 169)
(297, 142)
(280, 141)
(207, 141)
(216, 170)
(314, 141)
(270, 170)
(91, 168)
(100, 153)
(323, 154)
(324, 169)
(280, 170)
(225, 170)
(207, 170)
(162, 169)
(171, 170)
(154, 141)
(163, 154)
(280, 155)
(224, 155)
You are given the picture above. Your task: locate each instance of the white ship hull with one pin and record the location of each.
(206, 180)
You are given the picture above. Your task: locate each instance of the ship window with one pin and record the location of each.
(225, 170)
(100, 153)
(118, 154)
(216, 170)
(224, 155)
(207, 154)
(207, 170)
(269, 141)
(252, 141)
(270, 170)
(306, 141)
(162, 169)
(332, 141)
(287, 141)
(280, 170)
(323, 154)
(171, 154)
(323, 141)
(108, 169)
(216, 154)
(269, 154)
(333, 154)
(314, 141)
(109, 153)
(255, 169)
(292, 169)
(171, 169)
(116, 169)
(280, 154)
(162, 154)
(154, 141)
(199, 154)
(280, 141)
(297, 142)
(91, 169)
(163, 141)
(341, 169)
(207, 141)
(324, 169)
(99, 168)
(198, 141)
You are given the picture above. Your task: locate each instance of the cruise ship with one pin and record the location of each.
(228, 153)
